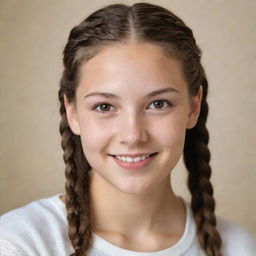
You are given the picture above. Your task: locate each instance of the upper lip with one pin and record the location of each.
(134, 155)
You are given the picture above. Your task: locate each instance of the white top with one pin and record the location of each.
(40, 228)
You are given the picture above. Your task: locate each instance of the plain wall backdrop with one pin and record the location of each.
(32, 37)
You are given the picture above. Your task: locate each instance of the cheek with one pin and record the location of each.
(94, 136)
(171, 131)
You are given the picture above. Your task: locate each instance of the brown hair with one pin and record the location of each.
(142, 22)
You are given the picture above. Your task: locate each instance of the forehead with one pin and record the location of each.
(132, 63)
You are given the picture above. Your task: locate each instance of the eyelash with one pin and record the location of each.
(169, 104)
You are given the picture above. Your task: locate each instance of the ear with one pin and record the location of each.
(195, 109)
(72, 116)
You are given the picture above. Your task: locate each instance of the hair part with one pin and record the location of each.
(119, 24)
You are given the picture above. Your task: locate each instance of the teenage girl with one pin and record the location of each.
(132, 100)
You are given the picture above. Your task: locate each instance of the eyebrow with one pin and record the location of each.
(113, 96)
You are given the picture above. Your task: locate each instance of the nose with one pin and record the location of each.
(133, 130)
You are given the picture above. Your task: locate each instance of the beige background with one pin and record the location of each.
(32, 36)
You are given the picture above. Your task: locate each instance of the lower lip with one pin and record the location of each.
(134, 165)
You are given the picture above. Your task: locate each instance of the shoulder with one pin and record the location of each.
(33, 215)
(39, 223)
(236, 240)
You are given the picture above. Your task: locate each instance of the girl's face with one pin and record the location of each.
(131, 99)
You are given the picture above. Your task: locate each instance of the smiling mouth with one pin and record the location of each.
(135, 155)
(135, 158)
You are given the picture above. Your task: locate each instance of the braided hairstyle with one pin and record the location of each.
(142, 22)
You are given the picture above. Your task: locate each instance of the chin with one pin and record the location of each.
(136, 189)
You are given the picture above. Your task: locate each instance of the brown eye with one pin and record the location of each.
(102, 107)
(159, 104)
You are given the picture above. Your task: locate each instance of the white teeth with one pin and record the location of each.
(130, 159)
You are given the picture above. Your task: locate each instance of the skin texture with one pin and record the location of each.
(131, 207)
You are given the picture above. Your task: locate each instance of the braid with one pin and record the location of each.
(77, 188)
(196, 158)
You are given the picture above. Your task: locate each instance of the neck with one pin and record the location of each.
(156, 211)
